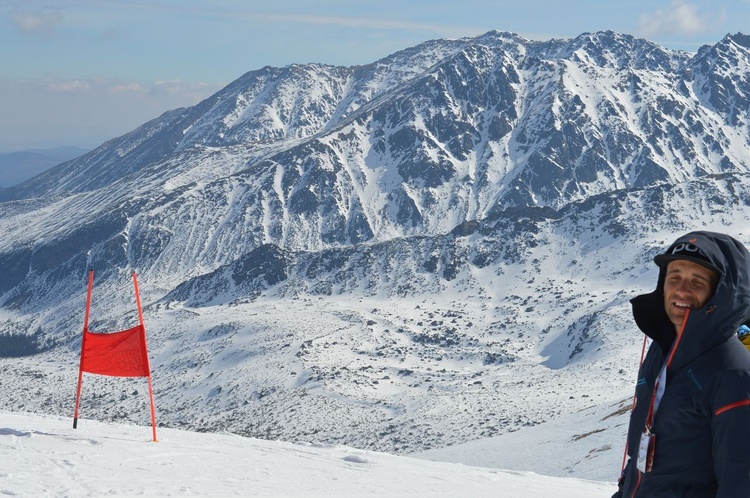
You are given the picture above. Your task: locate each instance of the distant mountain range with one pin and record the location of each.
(436, 247)
(16, 167)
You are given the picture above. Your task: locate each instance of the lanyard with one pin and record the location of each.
(661, 381)
(659, 387)
(646, 447)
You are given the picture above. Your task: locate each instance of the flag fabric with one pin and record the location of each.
(119, 354)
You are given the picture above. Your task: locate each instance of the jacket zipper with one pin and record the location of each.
(672, 351)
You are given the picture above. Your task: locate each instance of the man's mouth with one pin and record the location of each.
(683, 305)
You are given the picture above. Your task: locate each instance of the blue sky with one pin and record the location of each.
(78, 72)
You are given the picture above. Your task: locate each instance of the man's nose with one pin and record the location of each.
(685, 286)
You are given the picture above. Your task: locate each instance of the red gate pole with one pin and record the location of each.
(145, 356)
(83, 345)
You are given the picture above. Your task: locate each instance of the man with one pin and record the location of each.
(689, 432)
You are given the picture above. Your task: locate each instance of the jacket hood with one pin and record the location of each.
(727, 308)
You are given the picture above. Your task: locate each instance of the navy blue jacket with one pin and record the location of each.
(702, 426)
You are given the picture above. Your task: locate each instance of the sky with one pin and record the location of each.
(43, 456)
(79, 72)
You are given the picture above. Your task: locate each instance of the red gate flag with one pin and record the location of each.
(120, 354)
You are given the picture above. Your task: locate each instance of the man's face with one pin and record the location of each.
(687, 285)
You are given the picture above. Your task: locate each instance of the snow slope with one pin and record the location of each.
(587, 444)
(45, 457)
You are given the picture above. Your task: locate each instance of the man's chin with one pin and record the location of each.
(677, 319)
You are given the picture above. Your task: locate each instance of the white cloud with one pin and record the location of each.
(85, 112)
(71, 86)
(353, 22)
(126, 87)
(180, 87)
(34, 23)
(680, 18)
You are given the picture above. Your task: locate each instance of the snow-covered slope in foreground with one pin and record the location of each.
(44, 456)
(588, 443)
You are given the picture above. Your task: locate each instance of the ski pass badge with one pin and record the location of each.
(646, 452)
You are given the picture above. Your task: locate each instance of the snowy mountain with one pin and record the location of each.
(434, 248)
